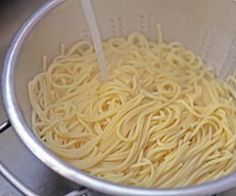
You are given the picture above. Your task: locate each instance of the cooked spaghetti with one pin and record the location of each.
(161, 120)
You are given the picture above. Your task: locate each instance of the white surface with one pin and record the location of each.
(96, 37)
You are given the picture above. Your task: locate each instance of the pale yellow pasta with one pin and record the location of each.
(161, 120)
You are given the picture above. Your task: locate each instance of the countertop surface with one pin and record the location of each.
(26, 167)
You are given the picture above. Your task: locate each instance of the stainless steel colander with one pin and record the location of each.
(207, 27)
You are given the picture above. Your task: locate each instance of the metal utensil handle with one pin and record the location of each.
(20, 186)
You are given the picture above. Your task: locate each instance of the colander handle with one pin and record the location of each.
(4, 171)
(4, 126)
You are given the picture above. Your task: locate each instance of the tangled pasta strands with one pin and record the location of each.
(161, 120)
